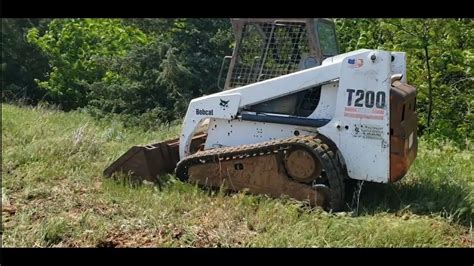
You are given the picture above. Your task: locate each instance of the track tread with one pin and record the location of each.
(330, 158)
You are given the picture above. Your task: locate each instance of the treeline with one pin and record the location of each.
(145, 71)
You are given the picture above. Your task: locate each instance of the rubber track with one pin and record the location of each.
(329, 157)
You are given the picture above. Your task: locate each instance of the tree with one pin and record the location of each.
(22, 62)
(75, 47)
(422, 34)
(155, 82)
(202, 43)
(440, 51)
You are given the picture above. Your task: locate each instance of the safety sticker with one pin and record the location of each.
(367, 131)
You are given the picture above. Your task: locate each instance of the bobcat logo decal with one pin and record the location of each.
(224, 103)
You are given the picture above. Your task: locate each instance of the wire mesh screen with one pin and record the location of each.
(269, 50)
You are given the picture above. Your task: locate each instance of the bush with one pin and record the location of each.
(74, 48)
(151, 83)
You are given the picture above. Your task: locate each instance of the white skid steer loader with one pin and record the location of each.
(294, 118)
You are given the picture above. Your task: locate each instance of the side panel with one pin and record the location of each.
(360, 127)
(224, 133)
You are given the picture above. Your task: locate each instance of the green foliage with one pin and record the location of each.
(75, 47)
(199, 45)
(154, 83)
(21, 61)
(150, 83)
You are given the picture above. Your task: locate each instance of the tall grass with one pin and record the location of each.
(53, 194)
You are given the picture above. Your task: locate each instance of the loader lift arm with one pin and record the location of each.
(256, 93)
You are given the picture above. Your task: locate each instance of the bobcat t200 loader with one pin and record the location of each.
(294, 118)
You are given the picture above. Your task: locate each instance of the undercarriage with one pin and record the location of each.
(304, 168)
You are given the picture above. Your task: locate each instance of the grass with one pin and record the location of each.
(53, 194)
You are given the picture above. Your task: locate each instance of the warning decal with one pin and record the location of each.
(367, 131)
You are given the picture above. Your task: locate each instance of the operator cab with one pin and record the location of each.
(269, 48)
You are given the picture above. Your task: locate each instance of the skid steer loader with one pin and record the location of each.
(294, 118)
